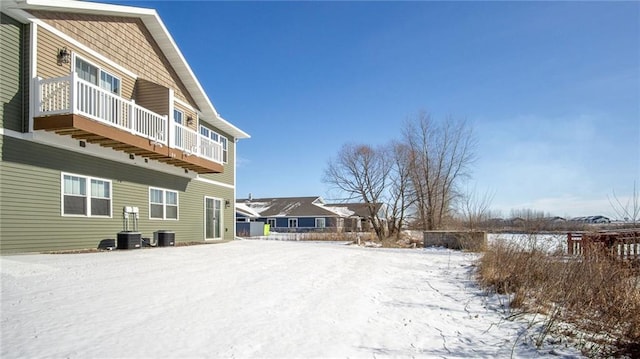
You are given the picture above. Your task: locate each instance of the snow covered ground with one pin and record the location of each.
(255, 299)
(550, 242)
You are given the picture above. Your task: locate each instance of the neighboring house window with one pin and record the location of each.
(97, 76)
(321, 223)
(78, 200)
(293, 222)
(271, 222)
(214, 136)
(163, 204)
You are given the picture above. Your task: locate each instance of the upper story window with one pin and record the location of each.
(178, 117)
(85, 196)
(214, 136)
(97, 76)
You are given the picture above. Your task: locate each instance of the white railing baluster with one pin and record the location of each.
(71, 94)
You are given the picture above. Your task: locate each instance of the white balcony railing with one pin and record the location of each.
(71, 94)
(194, 143)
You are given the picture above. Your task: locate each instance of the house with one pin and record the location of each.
(304, 214)
(359, 218)
(105, 126)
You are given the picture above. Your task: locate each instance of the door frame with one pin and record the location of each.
(220, 220)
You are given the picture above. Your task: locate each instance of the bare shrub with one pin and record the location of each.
(597, 294)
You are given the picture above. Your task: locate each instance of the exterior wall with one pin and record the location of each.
(228, 175)
(188, 114)
(124, 40)
(48, 45)
(13, 67)
(152, 96)
(30, 200)
(304, 224)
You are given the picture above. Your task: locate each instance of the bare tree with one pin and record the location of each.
(440, 154)
(629, 211)
(361, 172)
(399, 194)
(474, 207)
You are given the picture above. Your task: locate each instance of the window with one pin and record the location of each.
(109, 83)
(321, 223)
(163, 204)
(86, 71)
(96, 76)
(77, 201)
(223, 141)
(178, 116)
(293, 222)
(271, 222)
(215, 137)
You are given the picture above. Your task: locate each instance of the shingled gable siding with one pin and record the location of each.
(48, 45)
(124, 40)
(13, 64)
(30, 199)
(134, 50)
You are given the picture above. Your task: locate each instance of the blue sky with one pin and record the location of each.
(552, 89)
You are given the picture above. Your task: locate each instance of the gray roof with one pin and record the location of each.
(289, 207)
(358, 209)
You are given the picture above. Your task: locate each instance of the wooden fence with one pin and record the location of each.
(621, 244)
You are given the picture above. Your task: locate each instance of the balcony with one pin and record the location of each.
(73, 107)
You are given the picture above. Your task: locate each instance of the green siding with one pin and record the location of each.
(227, 176)
(13, 111)
(30, 210)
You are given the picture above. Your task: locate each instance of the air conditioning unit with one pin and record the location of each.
(129, 240)
(164, 238)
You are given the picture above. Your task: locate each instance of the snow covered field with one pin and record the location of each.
(551, 243)
(254, 299)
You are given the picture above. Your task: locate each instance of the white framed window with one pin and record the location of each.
(223, 142)
(293, 223)
(97, 76)
(85, 196)
(163, 203)
(271, 222)
(321, 222)
(178, 116)
(216, 137)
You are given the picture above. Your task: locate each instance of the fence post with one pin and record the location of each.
(569, 244)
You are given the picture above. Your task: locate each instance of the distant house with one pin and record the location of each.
(359, 218)
(304, 214)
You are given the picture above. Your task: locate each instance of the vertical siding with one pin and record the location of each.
(30, 212)
(12, 74)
